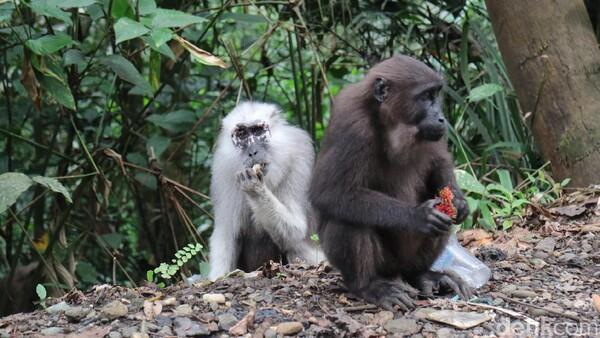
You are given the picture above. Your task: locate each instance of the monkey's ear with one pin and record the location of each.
(380, 89)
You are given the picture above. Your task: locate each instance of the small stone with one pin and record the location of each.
(114, 334)
(289, 328)
(227, 321)
(128, 331)
(114, 309)
(186, 327)
(164, 331)
(76, 313)
(270, 333)
(184, 310)
(421, 313)
(169, 301)
(51, 331)
(540, 254)
(58, 308)
(140, 335)
(307, 293)
(445, 333)
(217, 298)
(402, 326)
(523, 293)
(382, 317)
(547, 244)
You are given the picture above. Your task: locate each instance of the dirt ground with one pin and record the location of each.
(545, 282)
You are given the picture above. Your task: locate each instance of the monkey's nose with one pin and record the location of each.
(442, 120)
(252, 153)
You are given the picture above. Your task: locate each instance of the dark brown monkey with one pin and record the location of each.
(382, 161)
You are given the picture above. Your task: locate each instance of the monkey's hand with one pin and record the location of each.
(251, 181)
(431, 221)
(462, 208)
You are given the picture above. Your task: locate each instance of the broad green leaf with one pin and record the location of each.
(49, 43)
(467, 182)
(6, 10)
(41, 291)
(54, 185)
(176, 121)
(58, 90)
(127, 29)
(126, 71)
(173, 18)
(74, 57)
(244, 18)
(121, 8)
(505, 180)
(154, 69)
(113, 239)
(73, 3)
(147, 180)
(86, 272)
(486, 215)
(160, 36)
(48, 8)
(12, 185)
(484, 91)
(164, 49)
(147, 6)
(149, 276)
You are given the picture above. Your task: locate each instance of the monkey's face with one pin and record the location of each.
(252, 140)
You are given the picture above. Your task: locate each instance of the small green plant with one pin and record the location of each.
(42, 294)
(502, 202)
(167, 271)
(314, 237)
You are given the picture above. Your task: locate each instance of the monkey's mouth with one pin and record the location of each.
(432, 134)
(256, 165)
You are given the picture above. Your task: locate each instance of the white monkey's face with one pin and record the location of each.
(252, 140)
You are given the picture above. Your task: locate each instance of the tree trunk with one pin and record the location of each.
(553, 62)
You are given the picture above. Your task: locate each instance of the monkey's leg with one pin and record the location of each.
(443, 281)
(223, 250)
(361, 261)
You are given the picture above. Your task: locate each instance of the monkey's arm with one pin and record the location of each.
(339, 190)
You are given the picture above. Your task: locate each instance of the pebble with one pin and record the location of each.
(114, 309)
(402, 326)
(523, 293)
(382, 317)
(227, 321)
(445, 333)
(114, 334)
(188, 328)
(77, 312)
(184, 310)
(546, 245)
(217, 298)
(140, 335)
(128, 331)
(289, 328)
(51, 331)
(58, 308)
(164, 331)
(270, 333)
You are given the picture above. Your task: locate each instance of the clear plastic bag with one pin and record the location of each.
(460, 261)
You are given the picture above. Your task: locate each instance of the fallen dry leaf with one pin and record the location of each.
(200, 55)
(152, 309)
(461, 320)
(241, 328)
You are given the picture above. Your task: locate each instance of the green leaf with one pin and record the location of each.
(73, 57)
(159, 143)
(49, 43)
(113, 239)
(41, 291)
(47, 8)
(54, 185)
(147, 6)
(505, 180)
(164, 49)
(176, 121)
(12, 185)
(6, 11)
(160, 36)
(467, 182)
(484, 91)
(244, 18)
(173, 18)
(126, 71)
(149, 276)
(121, 8)
(488, 219)
(86, 272)
(127, 29)
(507, 224)
(58, 90)
(73, 3)
(147, 180)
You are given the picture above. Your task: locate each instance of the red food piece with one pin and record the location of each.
(446, 205)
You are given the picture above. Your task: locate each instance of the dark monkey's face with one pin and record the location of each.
(253, 142)
(408, 94)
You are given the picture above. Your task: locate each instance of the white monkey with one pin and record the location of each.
(261, 172)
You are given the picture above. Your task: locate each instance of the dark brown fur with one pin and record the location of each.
(373, 177)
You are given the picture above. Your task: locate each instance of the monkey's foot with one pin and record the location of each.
(443, 281)
(388, 293)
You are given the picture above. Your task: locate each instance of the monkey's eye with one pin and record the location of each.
(241, 133)
(257, 130)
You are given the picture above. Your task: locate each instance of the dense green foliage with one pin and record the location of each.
(104, 96)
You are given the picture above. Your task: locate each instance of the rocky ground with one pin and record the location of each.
(545, 282)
